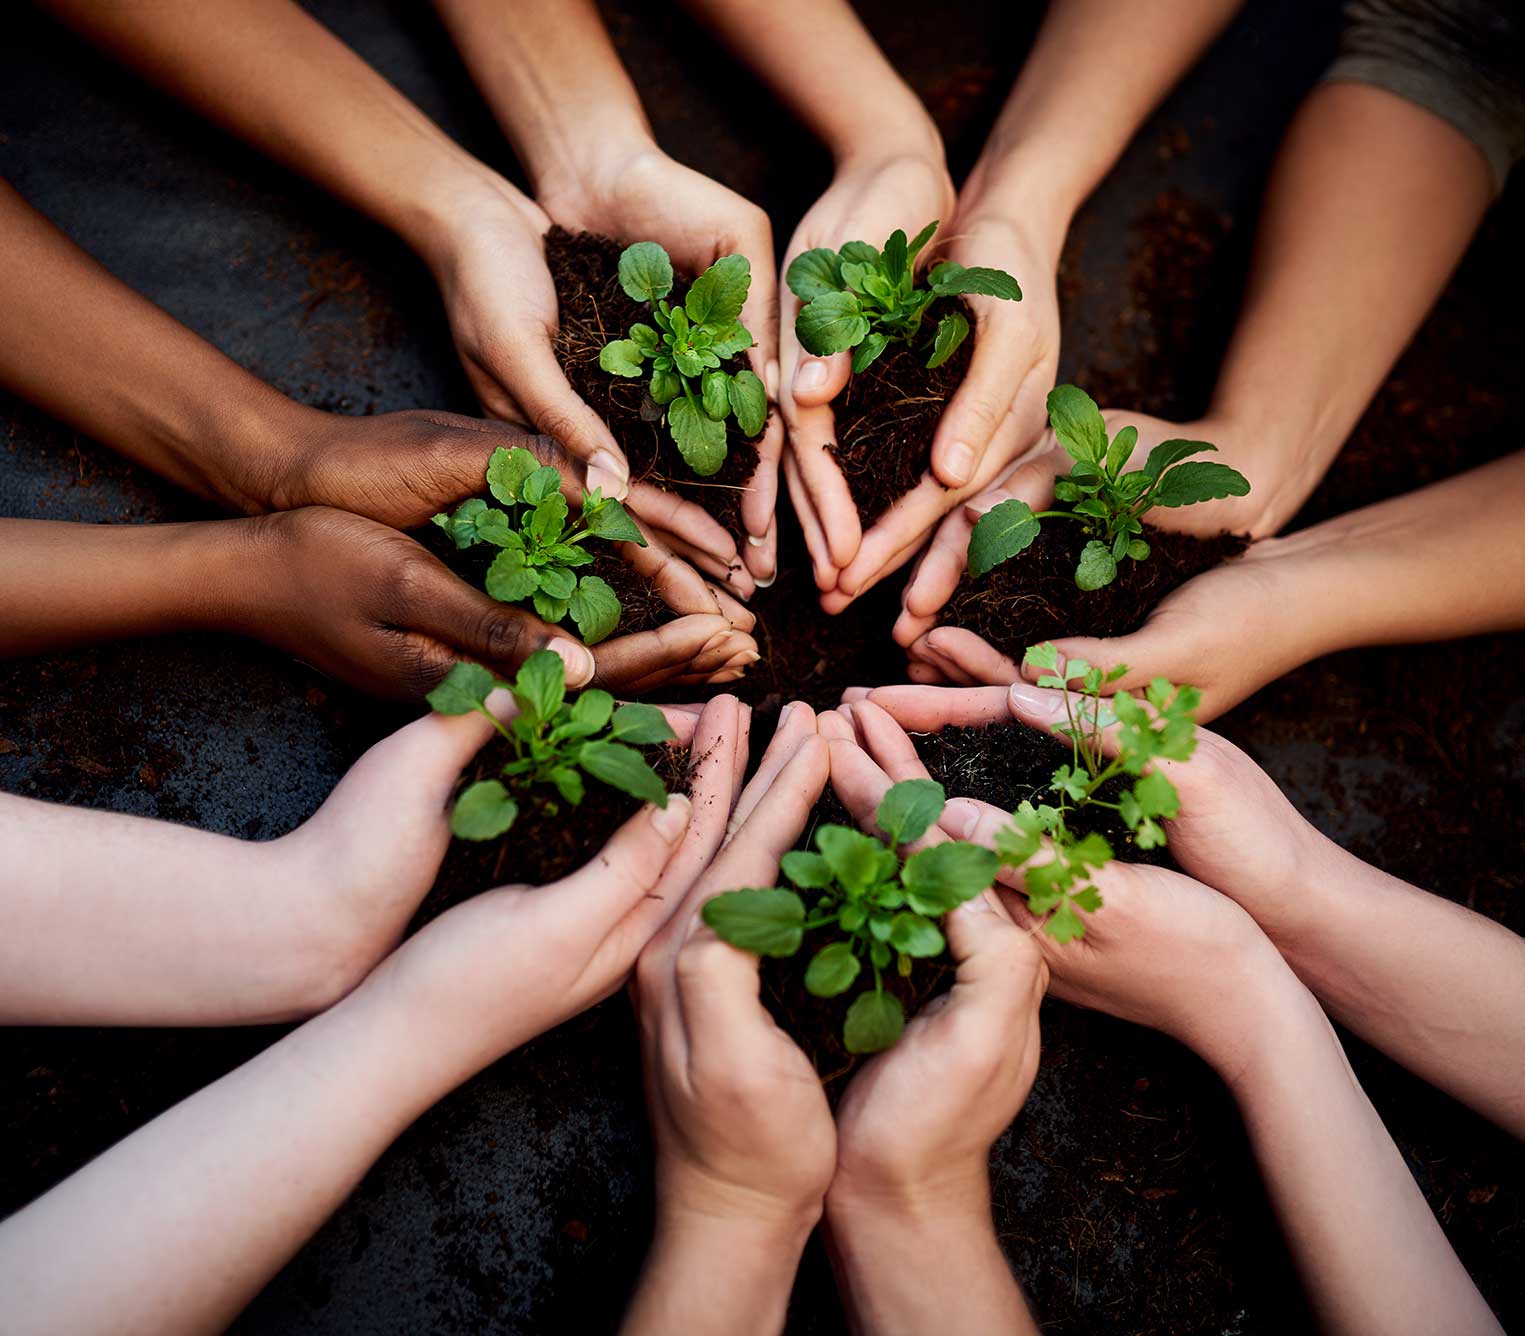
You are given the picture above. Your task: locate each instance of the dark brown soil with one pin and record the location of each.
(1033, 597)
(594, 309)
(886, 418)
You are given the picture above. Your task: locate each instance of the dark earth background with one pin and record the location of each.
(1124, 1192)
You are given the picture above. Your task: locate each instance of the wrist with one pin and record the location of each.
(953, 1201)
(452, 211)
(691, 1203)
(897, 130)
(1024, 192)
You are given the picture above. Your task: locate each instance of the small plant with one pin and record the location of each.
(555, 744)
(866, 299)
(1056, 890)
(686, 349)
(1110, 504)
(542, 547)
(887, 908)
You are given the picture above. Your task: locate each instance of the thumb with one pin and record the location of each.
(1032, 481)
(818, 380)
(978, 407)
(629, 867)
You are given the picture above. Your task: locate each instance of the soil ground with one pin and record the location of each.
(1124, 1192)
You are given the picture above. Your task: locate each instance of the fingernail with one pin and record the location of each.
(754, 541)
(765, 584)
(578, 661)
(670, 821)
(979, 905)
(810, 374)
(851, 694)
(983, 505)
(1030, 700)
(960, 817)
(770, 378)
(958, 462)
(609, 475)
(713, 643)
(783, 716)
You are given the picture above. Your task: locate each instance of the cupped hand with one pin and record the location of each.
(867, 200)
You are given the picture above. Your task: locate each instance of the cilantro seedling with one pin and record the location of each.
(866, 299)
(1164, 731)
(1110, 504)
(686, 349)
(555, 744)
(541, 546)
(887, 909)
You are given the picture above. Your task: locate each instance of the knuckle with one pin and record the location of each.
(504, 634)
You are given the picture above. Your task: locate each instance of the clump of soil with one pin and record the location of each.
(550, 840)
(595, 309)
(887, 415)
(1033, 597)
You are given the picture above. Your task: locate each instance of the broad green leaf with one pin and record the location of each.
(749, 401)
(874, 1022)
(550, 609)
(814, 273)
(462, 526)
(832, 323)
(856, 275)
(832, 970)
(909, 808)
(589, 713)
(731, 339)
(1016, 843)
(1045, 655)
(463, 689)
(621, 357)
(806, 869)
(1198, 480)
(879, 927)
(645, 272)
(915, 935)
(767, 921)
(1097, 566)
(610, 520)
(1064, 924)
(549, 520)
(869, 351)
(507, 470)
(1167, 453)
(852, 856)
(1138, 549)
(542, 482)
(642, 725)
(1121, 450)
(920, 240)
(893, 257)
(541, 686)
(719, 293)
(1156, 796)
(665, 386)
(999, 534)
(509, 580)
(689, 364)
(483, 812)
(625, 769)
(700, 439)
(595, 608)
(557, 582)
(952, 330)
(646, 338)
(859, 252)
(950, 280)
(1077, 422)
(943, 877)
(569, 784)
(714, 395)
(493, 526)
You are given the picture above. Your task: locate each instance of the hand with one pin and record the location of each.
(870, 196)
(635, 192)
(997, 412)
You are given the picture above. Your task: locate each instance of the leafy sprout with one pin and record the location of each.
(685, 347)
(884, 908)
(556, 744)
(542, 547)
(866, 299)
(1110, 504)
(1162, 730)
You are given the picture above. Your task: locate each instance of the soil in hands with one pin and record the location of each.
(1033, 597)
(886, 418)
(594, 309)
(550, 840)
(1004, 764)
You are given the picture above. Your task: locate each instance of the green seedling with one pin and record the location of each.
(887, 909)
(685, 349)
(1164, 730)
(1110, 504)
(555, 744)
(865, 299)
(542, 547)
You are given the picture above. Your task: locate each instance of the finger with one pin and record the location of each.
(733, 573)
(818, 380)
(738, 614)
(937, 574)
(926, 674)
(683, 520)
(629, 867)
(822, 566)
(857, 780)
(796, 722)
(982, 402)
(695, 643)
(978, 660)
(835, 726)
(812, 433)
(887, 742)
(1140, 647)
(920, 709)
(718, 989)
(948, 669)
(760, 502)
(1001, 976)
(979, 822)
(677, 583)
(851, 694)
(681, 719)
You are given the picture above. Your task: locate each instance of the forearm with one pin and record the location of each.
(808, 52)
(1371, 1254)
(1371, 205)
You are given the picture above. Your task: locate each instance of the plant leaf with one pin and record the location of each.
(557, 582)
(767, 921)
(714, 397)
(999, 534)
(483, 812)
(1199, 480)
(951, 280)
(944, 876)
(625, 769)
(814, 273)
(731, 339)
(749, 402)
(915, 935)
(858, 252)
(589, 713)
(868, 352)
(610, 520)
(462, 690)
(1097, 566)
(665, 386)
(506, 471)
(807, 870)
(852, 856)
(952, 330)
(874, 1022)
(1167, 453)
(642, 725)
(1121, 450)
(1077, 422)
(892, 259)
(718, 294)
(908, 809)
(832, 323)
(700, 439)
(832, 970)
(645, 272)
(621, 357)
(509, 580)
(595, 607)
(920, 240)
(541, 686)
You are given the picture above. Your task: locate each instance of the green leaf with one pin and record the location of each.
(814, 273)
(1155, 796)
(483, 812)
(549, 520)
(642, 725)
(869, 351)
(719, 293)
(595, 608)
(589, 713)
(506, 471)
(608, 519)
(542, 482)
(1064, 924)
(874, 1022)
(689, 364)
(767, 921)
(908, 809)
(1045, 655)
(1121, 450)
(509, 580)
(1016, 843)
(621, 357)
(807, 870)
(462, 526)
(1097, 566)
(852, 856)
(1138, 549)
(645, 272)
(832, 970)
(463, 689)
(915, 935)
(700, 439)
(859, 252)
(625, 769)
(1167, 453)
(952, 330)
(731, 339)
(1199, 480)
(541, 686)
(549, 609)
(999, 534)
(715, 397)
(665, 386)
(832, 323)
(749, 401)
(557, 582)
(495, 527)
(943, 877)
(920, 240)
(1078, 424)
(893, 257)
(950, 280)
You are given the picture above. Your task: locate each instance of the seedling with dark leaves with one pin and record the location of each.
(866, 299)
(685, 350)
(885, 908)
(1162, 730)
(1110, 504)
(555, 744)
(542, 547)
